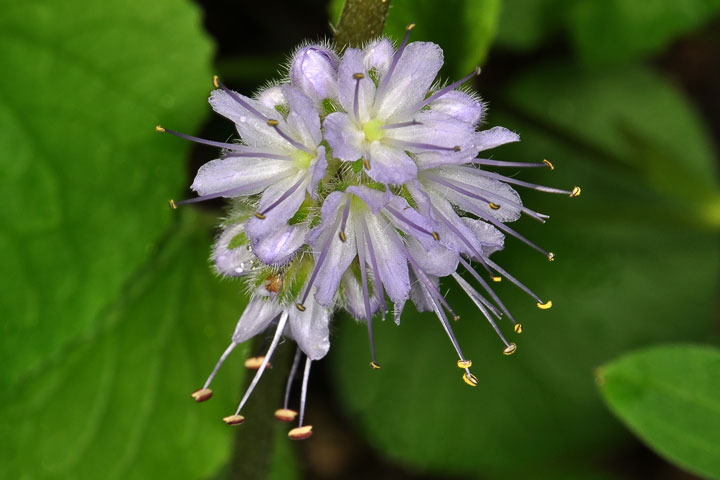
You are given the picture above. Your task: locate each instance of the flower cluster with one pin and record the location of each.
(356, 181)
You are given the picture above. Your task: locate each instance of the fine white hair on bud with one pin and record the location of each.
(359, 180)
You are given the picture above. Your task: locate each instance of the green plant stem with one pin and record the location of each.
(360, 21)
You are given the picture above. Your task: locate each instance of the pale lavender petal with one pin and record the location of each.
(310, 328)
(234, 261)
(439, 261)
(408, 220)
(247, 175)
(279, 246)
(414, 74)
(257, 316)
(378, 55)
(491, 239)
(454, 234)
(303, 118)
(253, 130)
(272, 97)
(391, 261)
(495, 137)
(374, 199)
(460, 106)
(257, 228)
(313, 69)
(390, 165)
(352, 63)
(344, 137)
(440, 130)
(317, 171)
(354, 300)
(419, 296)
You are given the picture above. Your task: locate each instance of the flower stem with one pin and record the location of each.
(360, 21)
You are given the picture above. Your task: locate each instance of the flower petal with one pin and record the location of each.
(317, 171)
(291, 193)
(390, 164)
(253, 130)
(313, 69)
(303, 119)
(344, 137)
(352, 63)
(280, 245)
(378, 55)
(491, 239)
(374, 199)
(495, 137)
(272, 97)
(310, 329)
(439, 261)
(246, 175)
(235, 261)
(257, 316)
(354, 299)
(460, 106)
(391, 261)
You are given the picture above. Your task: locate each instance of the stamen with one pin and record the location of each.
(285, 414)
(378, 290)
(360, 242)
(478, 255)
(541, 188)
(487, 288)
(273, 345)
(422, 146)
(343, 222)
(202, 141)
(498, 163)
(510, 349)
(475, 296)
(391, 126)
(283, 197)
(396, 58)
(232, 192)
(302, 432)
(290, 140)
(412, 224)
(205, 393)
(218, 84)
(253, 363)
(450, 87)
(520, 285)
(273, 156)
(356, 100)
(501, 226)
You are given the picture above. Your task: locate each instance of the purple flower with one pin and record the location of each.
(357, 182)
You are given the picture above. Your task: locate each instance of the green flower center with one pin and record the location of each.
(373, 130)
(302, 159)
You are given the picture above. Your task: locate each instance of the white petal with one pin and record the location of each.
(344, 137)
(257, 316)
(310, 328)
(253, 130)
(249, 175)
(352, 63)
(232, 261)
(390, 164)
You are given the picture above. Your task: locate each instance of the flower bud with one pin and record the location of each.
(313, 70)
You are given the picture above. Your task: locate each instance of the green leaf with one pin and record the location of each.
(463, 28)
(85, 178)
(526, 24)
(605, 31)
(117, 404)
(670, 397)
(631, 260)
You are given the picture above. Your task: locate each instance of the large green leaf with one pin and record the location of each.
(633, 268)
(85, 179)
(670, 397)
(117, 404)
(526, 24)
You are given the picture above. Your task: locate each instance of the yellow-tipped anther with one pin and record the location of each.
(410, 27)
(549, 164)
(436, 236)
(470, 379)
(202, 394)
(464, 363)
(456, 317)
(510, 349)
(172, 204)
(159, 128)
(366, 164)
(551, 256)
(300, 307)
(216, 81)
(342, 236)
(374, 366)
(253, 363)
(496, 279)
(494, 206)
(300, 433)
(285, 414)
(260, 216)
(478, 70)
(544, 306)
(358, 76)
(234, 419)
(575, 192)
(518, 328)
(273, 123)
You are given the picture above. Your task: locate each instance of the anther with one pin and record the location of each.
(544, 306)
(518, 328)
(234, 420)
(456, 317)
(260, 216)
(358, 76)
(273, 123)
(551, 256)
(494, 206)
(202, 394)
(374, 366)
(342, 236)
(172, 204)
(464, 363)
(510, 349)
(410, 27)
(285, 414)
(366, 164)
(470, 379)
(575, 192)
(253, 363)
(496, 279)
(216, 81)
(549, 164)
(300, 307)
(300, 433)
(159, 128)
(436, 236)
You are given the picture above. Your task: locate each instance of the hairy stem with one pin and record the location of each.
(361, 20)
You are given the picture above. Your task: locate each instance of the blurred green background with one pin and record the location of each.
(110, 315)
